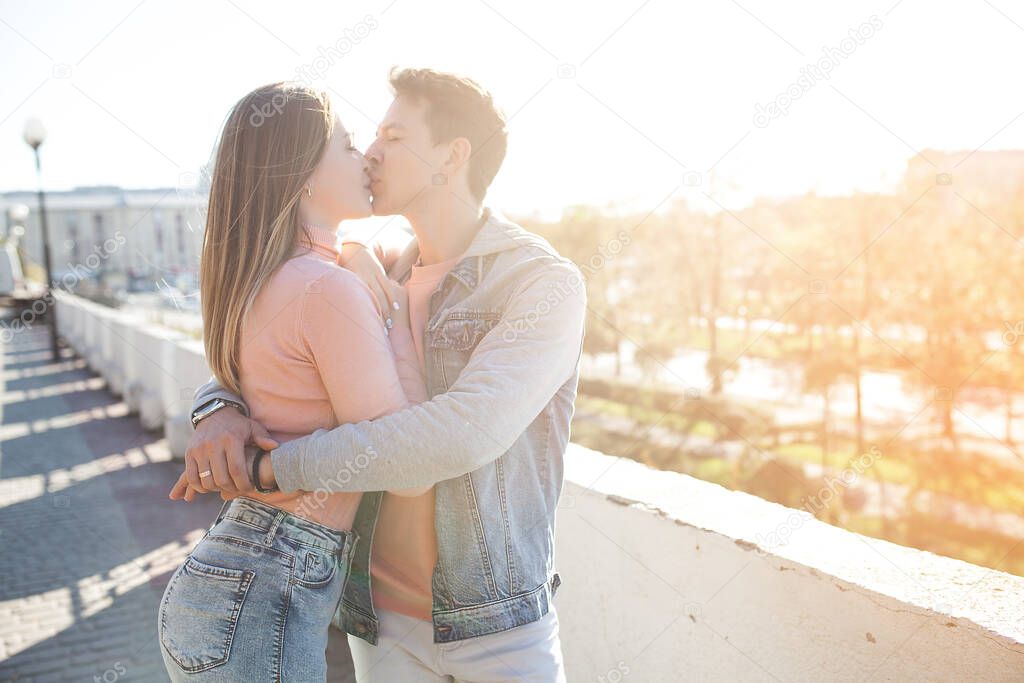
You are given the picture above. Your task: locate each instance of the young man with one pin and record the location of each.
(463, 576)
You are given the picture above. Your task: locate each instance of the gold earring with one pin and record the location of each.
(309, 191)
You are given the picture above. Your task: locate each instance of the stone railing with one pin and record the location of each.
(670, 578)
(155, 370)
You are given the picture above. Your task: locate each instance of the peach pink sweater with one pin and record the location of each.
(314, 354)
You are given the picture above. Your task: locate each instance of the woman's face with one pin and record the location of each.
(340, 184)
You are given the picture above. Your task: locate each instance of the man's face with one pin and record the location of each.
(403, 158)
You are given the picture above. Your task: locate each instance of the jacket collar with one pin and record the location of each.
(497, 234)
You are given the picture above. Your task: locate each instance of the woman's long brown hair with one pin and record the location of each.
(272, 141)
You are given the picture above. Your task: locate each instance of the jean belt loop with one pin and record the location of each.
(278, 518)
(220, 515)
(348, 546)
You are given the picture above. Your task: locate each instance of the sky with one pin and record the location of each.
(630, 104)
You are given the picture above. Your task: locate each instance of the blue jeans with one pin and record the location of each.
(254, 599)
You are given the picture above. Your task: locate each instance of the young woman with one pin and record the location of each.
(302, 341)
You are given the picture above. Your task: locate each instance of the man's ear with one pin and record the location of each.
(459, 152)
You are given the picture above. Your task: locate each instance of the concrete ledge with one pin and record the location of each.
(154, 369)
(673, 578)
(669, 578)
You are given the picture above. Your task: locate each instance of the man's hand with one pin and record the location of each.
(218, 447)
(183, 490)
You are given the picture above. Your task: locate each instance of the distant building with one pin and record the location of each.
(137, 237)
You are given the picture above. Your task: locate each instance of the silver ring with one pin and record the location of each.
(204, 473)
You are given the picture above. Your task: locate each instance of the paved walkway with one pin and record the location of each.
(88, 536)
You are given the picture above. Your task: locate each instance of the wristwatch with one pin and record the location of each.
(210, 407)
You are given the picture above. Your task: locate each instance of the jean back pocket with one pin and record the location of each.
(199, 613)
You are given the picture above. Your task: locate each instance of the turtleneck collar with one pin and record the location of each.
(323, 241)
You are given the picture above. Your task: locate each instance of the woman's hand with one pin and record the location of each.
(399, 303)
(363, 262)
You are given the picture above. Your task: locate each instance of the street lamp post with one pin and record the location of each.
(34, 135)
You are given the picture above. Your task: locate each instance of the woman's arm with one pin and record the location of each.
(368, 373)
(511, 375)
(385, 246)
(373, 265)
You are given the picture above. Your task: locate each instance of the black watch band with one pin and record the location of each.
(256, 473)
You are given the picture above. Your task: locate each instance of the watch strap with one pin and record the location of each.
(256, 473)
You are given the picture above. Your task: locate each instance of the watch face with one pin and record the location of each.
(209, 408)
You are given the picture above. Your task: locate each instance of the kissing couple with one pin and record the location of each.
(387, 420)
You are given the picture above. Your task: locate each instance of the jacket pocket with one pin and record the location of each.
(463, 330)
(199, 613)
(456, 337)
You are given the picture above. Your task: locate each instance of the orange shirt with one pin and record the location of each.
(404, 540)
(314, 354)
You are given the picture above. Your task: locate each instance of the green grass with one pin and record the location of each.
(888, 469)
(715, 470)
(648, 416)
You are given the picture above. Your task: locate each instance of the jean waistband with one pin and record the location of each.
(273, 521)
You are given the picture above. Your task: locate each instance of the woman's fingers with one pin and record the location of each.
(363, 262)
(261, 437)
(399, 303)
(380, 293)
(388, 299)
(399, 298)
(378, 296)
(396, 294)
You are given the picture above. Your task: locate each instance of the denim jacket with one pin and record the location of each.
(502, 349)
